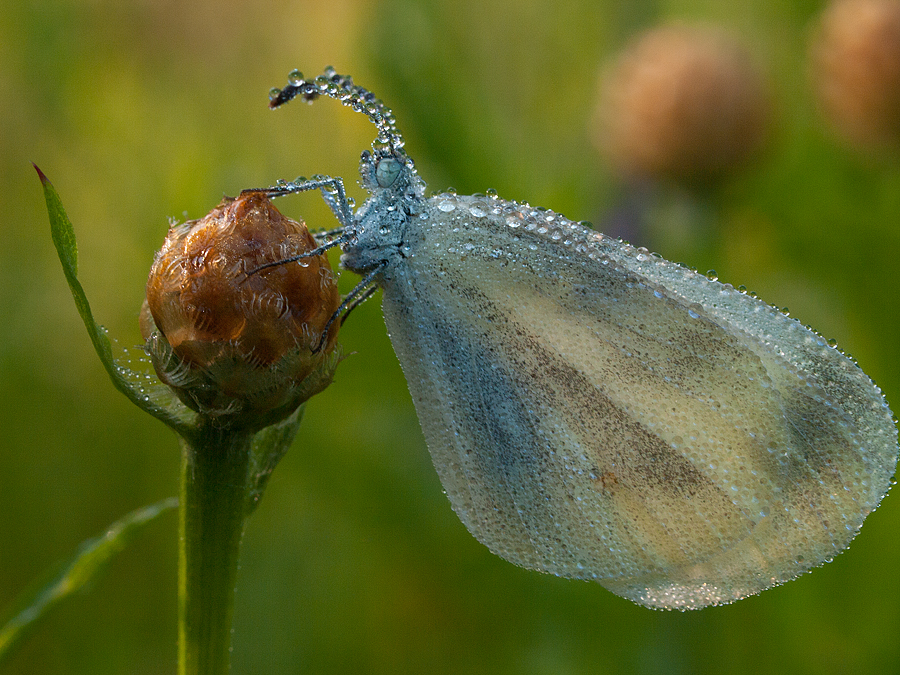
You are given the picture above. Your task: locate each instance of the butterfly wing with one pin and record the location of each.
(599, 413)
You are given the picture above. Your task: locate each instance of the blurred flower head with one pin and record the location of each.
(856, 69)
(681, 103)
(232, 340)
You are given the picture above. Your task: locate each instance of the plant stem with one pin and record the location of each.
(214, 492)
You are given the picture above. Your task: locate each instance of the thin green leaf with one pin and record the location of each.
(89, 561)
(267, 449)
(66, 247)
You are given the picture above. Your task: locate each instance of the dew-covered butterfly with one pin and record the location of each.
(595, 411)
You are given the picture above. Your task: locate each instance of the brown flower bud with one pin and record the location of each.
(856, 69)
(230, 340)
(682, 103)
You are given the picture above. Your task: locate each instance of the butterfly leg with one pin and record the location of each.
(332, 192)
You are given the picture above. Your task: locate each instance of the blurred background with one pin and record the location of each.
(142, 110)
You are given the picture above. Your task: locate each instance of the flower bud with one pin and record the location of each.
(227, 338)
(856, 69)
(681, 103)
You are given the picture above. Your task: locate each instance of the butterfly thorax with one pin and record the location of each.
(380, 225)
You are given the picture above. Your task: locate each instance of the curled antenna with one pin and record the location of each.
(341, 88)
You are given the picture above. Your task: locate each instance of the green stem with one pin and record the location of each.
(214, 492)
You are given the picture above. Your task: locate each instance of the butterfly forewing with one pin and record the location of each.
(594, 414)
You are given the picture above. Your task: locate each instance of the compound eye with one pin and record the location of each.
(387, 171)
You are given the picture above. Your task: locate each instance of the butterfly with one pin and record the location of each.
(593, 410)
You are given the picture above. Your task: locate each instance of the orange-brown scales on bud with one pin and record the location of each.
(241, 332)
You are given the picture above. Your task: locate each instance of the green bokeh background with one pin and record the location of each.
(354, 563)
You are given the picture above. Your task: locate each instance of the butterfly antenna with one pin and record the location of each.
(341, 88)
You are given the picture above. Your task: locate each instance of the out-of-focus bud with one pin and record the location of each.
(230, 341)
(681, 103)
(856, 68)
